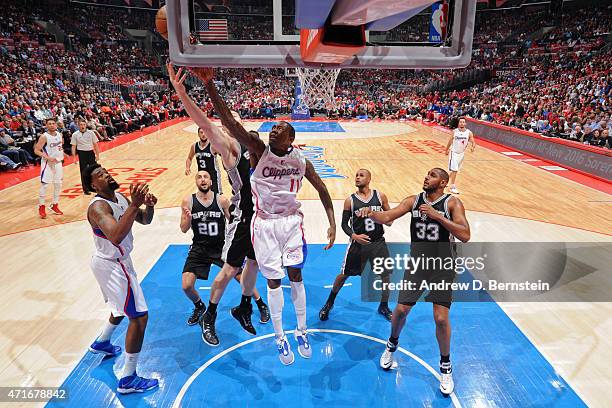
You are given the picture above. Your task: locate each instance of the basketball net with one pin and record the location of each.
(318, 87)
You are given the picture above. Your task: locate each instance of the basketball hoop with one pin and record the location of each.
(318, 87)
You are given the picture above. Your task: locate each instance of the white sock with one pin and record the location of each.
(131, 359)
(57, 189)
(107, 332)
(276, 302)
(298, 296)
(42, 194)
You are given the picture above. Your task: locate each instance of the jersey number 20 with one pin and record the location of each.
(208, 228)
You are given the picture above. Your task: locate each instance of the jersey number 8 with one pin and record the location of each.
(369, 225)
(431, 232)
(211, 229)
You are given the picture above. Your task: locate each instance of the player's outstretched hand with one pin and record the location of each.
(364, 212)
(331, 237)
(204, 73)
(188, 172)
(138, 192)
(187, 212)
(362, 239)
(177, 78)
(150, 200)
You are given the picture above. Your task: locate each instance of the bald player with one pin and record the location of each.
(367, 240)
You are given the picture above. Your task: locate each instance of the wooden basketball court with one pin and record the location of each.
(52, 307)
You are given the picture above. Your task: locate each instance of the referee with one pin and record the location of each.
(85, 143)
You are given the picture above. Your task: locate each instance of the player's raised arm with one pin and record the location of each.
(386, 217)
(236, 130)
(218, 140)
(317, 183)
(100, 214)
(224, 203)
(186, 214)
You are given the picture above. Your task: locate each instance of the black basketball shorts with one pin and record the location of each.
(200, 258)
(358, 255)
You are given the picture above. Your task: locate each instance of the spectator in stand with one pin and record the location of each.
(9, 148)
(7, 164)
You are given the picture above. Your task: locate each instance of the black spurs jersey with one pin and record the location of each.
(424, 229)
(240, 180)
(207, 161)
(366, 226)
(207, 222)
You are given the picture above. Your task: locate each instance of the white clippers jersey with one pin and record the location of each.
(54, 146)
(276, 182)
(460, 140)
(105, 248)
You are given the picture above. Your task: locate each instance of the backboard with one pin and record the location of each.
(399, 34)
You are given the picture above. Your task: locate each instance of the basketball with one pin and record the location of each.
(161, 24)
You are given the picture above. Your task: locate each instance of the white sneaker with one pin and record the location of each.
(454, 190)
(303, 344)
(285, 354)
(386, 360)
(446, 380)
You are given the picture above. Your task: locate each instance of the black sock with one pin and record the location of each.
(212, 308)
(260, 302)
(445, 364)
(245, 301)
(199, 304)
(394, 340)
(332, 297)
(392, 343)
(444, 359)
(384, 304)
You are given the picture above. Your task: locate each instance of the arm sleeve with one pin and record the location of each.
(346, 216)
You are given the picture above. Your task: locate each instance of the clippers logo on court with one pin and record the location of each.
(323, 169)
(413, 146)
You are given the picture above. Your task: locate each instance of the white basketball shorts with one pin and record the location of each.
(278, 243)
(120, 287)
(455, 160)
(51, 173)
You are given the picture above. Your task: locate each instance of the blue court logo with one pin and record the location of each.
(323, 169)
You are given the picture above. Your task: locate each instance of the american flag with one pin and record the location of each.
(211, 29)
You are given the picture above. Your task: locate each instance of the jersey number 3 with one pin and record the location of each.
(208, 228)
(431, 232)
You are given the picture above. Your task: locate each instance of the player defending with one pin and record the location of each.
(111, 216)
(50, 148)
(455, 149)
(436, 219)
(238, 246)
(277, 227)
(367, 240)
(204, 213)
(205, 159)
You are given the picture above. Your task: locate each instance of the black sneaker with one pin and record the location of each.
(385, 311)
(209, 334)
(196, 315)
(264, 313)
(324, 313)
(243, 315)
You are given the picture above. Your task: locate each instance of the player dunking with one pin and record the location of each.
(50, 148)
(238, 246)
(436, 219)
(455, 150)
(204, 213)
(111, 216)
(277, 227)
(367, 240)
(205, 160)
